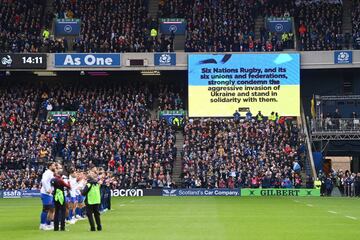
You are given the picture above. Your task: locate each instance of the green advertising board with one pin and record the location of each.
(293, 192)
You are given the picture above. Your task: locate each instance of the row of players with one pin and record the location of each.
(69, 197)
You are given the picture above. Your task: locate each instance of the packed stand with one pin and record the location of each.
(224, 26)
(250, 152)
(319, 25)
(170, 98)
(112, 129)
(356, 24)
(113, 26)
(21, 25)
(24, 139)
(278, 9)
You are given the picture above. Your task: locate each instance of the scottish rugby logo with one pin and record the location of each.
(169, 192)
(165, 59)
(343, 56)
(6, 60)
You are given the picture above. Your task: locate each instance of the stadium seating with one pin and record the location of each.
(356, 24)
(113, 130)
(319, 25)
(21, 25)
(113, 26)
(223, 153)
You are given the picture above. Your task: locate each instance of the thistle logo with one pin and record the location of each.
(343, 56)
(169, 193)
(127, 193)
(6, 60)
(165, 59)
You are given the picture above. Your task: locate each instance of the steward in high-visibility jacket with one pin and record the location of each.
(59, 201)
(93, 199)
(317, 184)
(153, 33)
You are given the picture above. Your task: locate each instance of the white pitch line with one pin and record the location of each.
(353, 218)
(309, 205)
(296, 201)
(333, 212)
(132, 201)
(122, 205)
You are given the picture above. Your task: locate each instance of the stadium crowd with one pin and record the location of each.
(356, 24)
(212, 25)
(319, 25)
(112, 129)
(242, 153)
(346, 182)
(20, 25)
(114, 26)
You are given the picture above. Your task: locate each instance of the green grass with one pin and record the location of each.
(197, 218)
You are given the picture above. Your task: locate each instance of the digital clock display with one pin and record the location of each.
(32, 60)
(23, 61)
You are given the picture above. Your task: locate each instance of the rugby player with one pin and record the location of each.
(47, 198)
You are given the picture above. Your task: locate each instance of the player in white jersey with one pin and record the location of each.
(81, 182)
(47, 197)
(73, 200)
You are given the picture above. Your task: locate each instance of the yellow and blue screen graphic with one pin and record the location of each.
(220, 84)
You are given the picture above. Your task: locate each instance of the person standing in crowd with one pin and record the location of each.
(329, 186)
(92, 201)
(59, 199)
(236, 116)
(348, 184)
(357, 185)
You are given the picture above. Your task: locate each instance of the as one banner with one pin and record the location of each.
(259, 192)
(279, 25)
(343, 57)
(85, 60)
(164, 59)
(201, 192)
(220, 84)
(175, 25)
(67, 27)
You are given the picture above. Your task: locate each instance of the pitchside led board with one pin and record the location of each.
(220, 84)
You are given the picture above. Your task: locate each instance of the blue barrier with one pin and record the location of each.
(201, 192)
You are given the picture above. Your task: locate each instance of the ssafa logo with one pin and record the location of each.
(127, 193)
(68, 28)
(165, 59)
(6, 60)
(12, 194)
(343, 57)
(169, 192)
(279, 27)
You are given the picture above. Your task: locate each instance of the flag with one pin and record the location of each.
(313, 113)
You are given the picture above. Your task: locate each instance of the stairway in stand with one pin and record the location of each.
(346, 19)
(178, 161)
